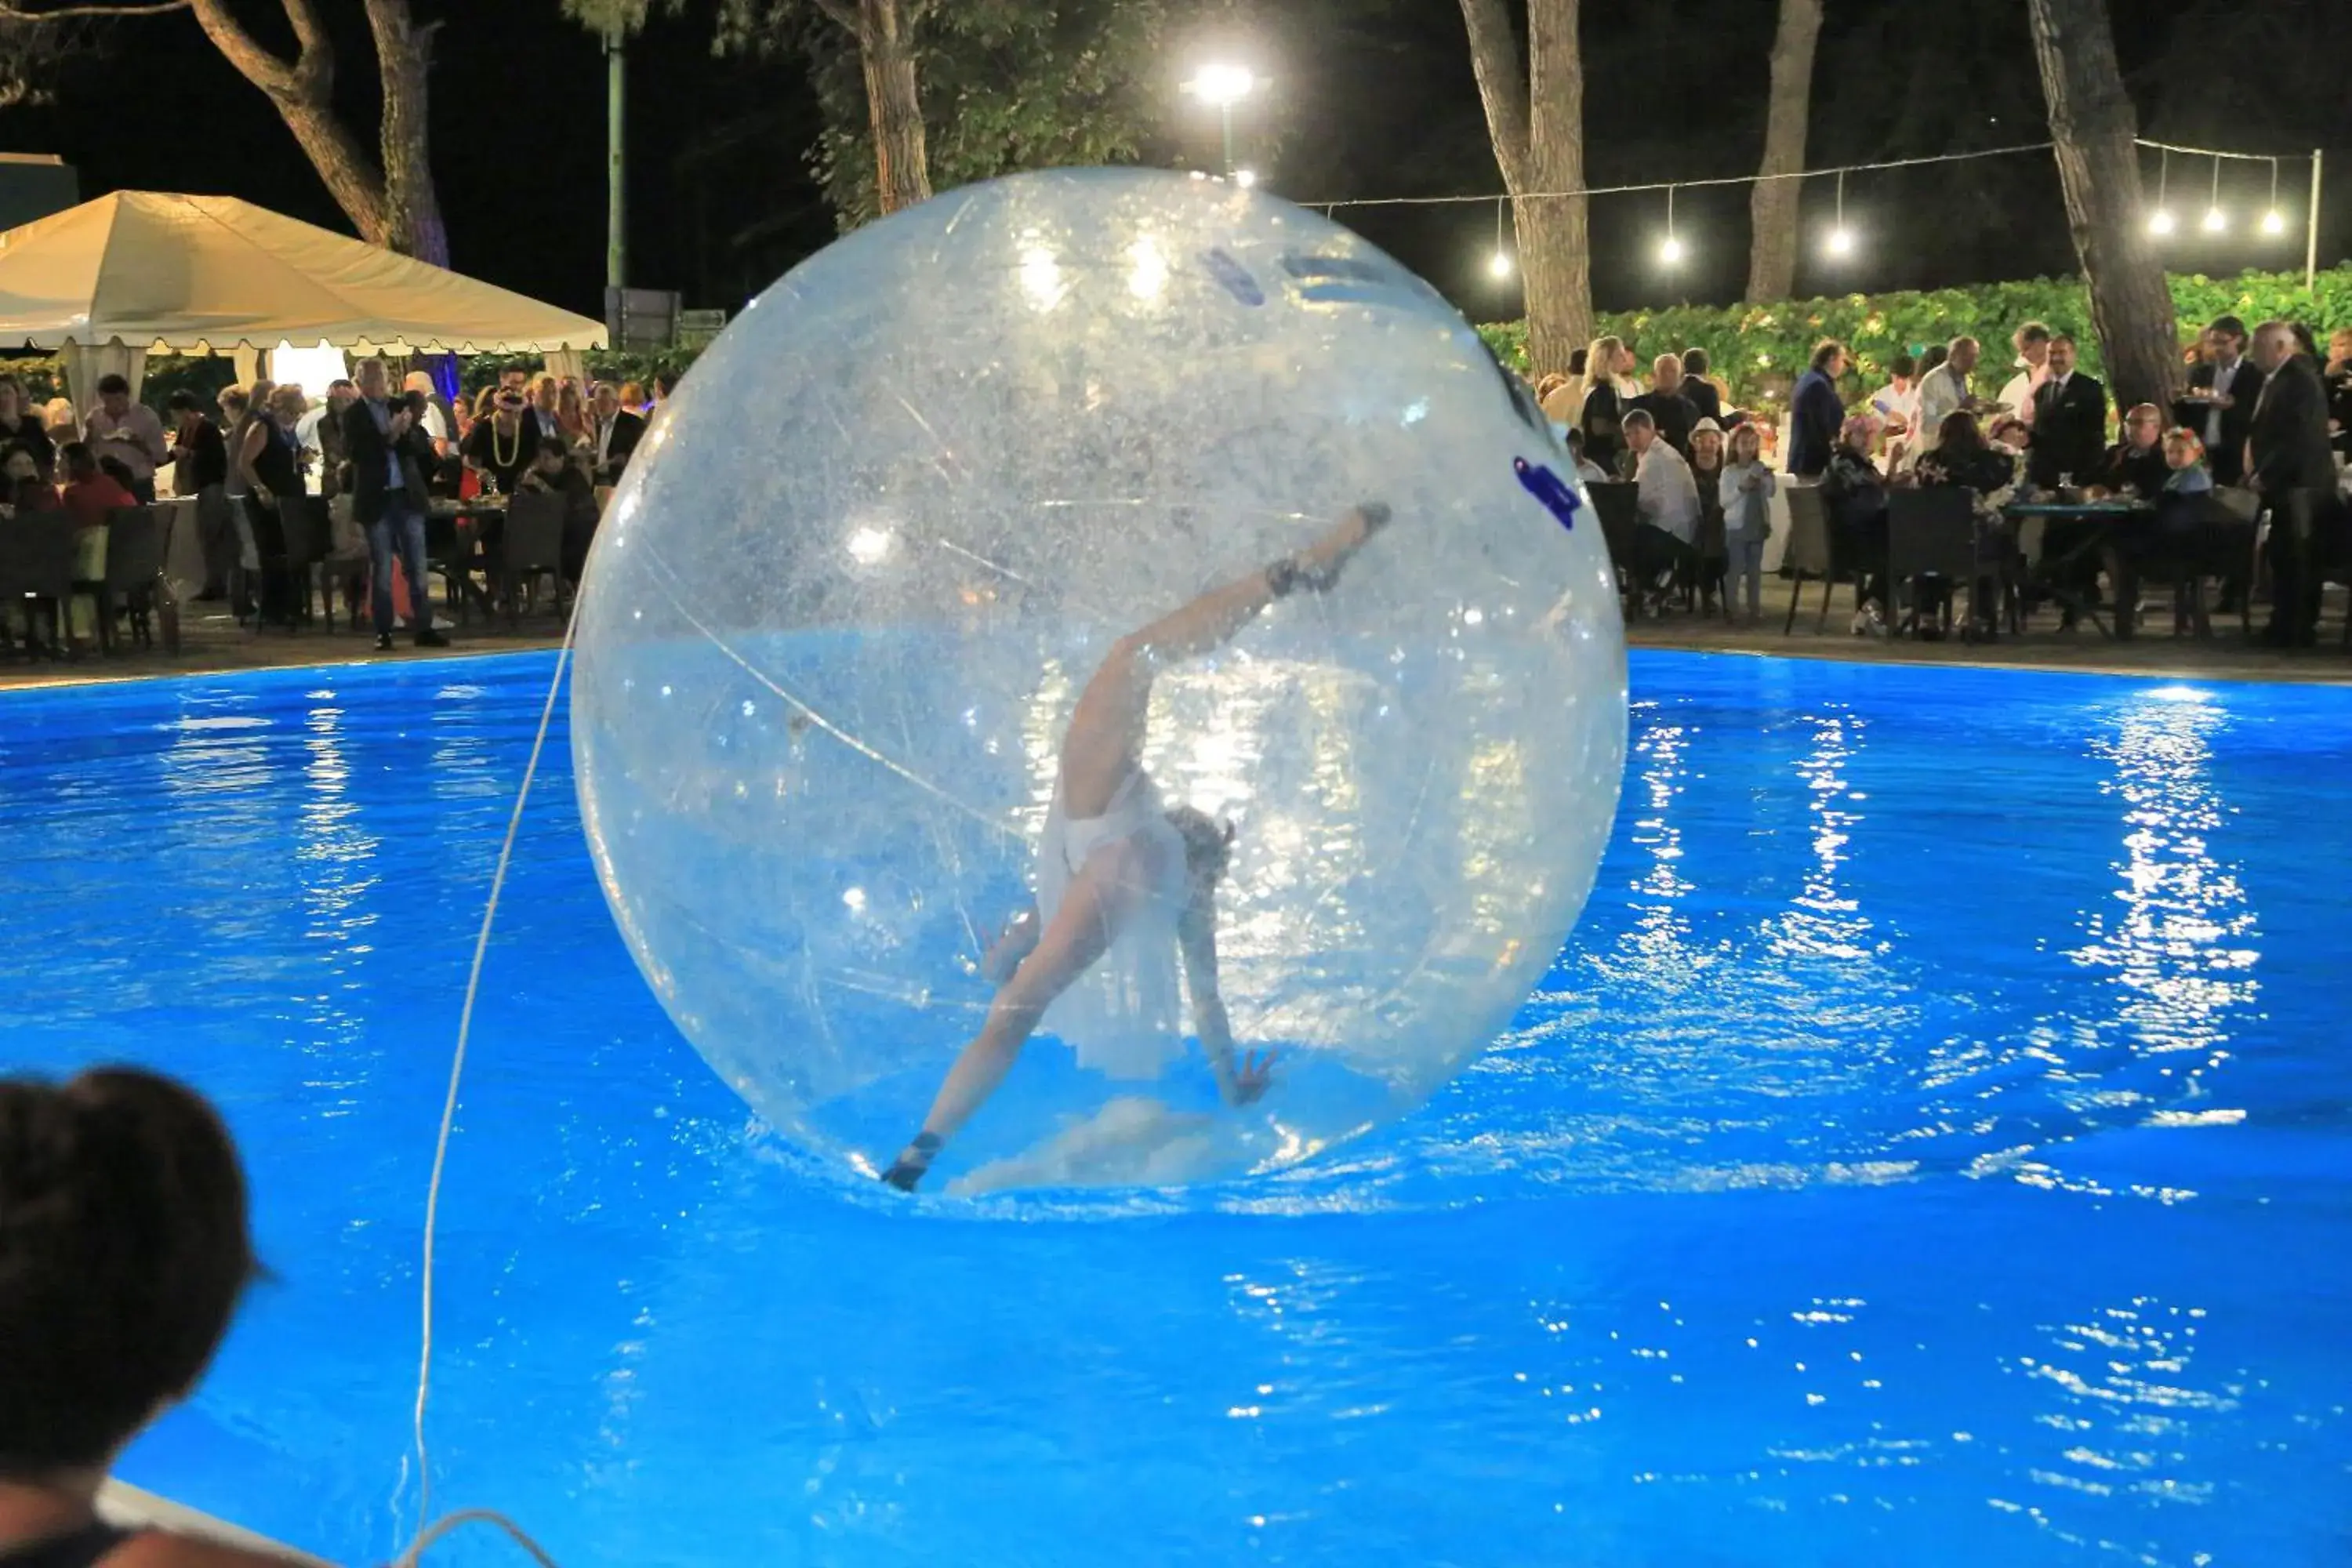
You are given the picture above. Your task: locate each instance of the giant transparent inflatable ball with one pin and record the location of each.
(842, 608)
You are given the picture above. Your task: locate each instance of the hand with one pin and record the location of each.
(914, 1163)
(1246, 1080)
(2223, 400)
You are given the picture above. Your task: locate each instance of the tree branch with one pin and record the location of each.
(91, 13)
(256, 64)
(840, 13)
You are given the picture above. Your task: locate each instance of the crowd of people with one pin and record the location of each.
(2262, 414)
(377, 458)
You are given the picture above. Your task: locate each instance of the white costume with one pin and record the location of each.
(1122, 1016)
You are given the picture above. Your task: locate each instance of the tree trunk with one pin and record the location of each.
(302, 90)
(403, 54)
(2093, 125)
(1772, 204)
(1536, 124)
(902, 171)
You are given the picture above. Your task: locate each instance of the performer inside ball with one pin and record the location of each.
(1124, 885)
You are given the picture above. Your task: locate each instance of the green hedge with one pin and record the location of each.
(1760, 349)
(481, 370)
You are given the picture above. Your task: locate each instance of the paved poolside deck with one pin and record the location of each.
(213, 643)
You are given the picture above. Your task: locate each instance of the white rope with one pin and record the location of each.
(449, 1111)
(444, 1525)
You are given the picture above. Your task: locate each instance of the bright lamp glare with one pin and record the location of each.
(2214, 222)
(2273, 222)
(1499, 265)
(1246, 178)
(1671, 252)
(2159, 221)
(1221, 84)
(1841, 242)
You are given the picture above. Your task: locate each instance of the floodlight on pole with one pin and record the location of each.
(1223, 85)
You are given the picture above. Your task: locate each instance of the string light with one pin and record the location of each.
(1840, 240)
(2273, 220)
(2214, 220)
(1498, 265)
(1671, 252)
(2159, 222)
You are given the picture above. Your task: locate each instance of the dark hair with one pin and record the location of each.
(1695, 362)
(2305, 341)
(1825, 350)
(2067, 338)
(118, 471)
(2232, 326)
(663, 384)
(2033, 333)
(1575, 360)
(1575, 441)
(552, 447)
(1903, 365)
(78, 460)
(108, 385)
(185, 402)
(1208, 842)
(1958, 433)
(124, 1249)
(339, 382)
(1936, 354)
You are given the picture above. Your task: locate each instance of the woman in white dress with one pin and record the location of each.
(1125, 884)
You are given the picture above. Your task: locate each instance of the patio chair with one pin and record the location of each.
(531, 546)
(1617, 503)
(135, 574)
(1815, 552)
(302, 530)
(36, 567)
(1932, 533)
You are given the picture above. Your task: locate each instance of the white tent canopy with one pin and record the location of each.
(145, 271)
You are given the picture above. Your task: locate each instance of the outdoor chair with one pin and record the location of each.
(1932, 533)
(531, 546)
(1616, 501)
(302, 526)
(344, 563)
(1814, 552)
(36, 567)
(135, 574)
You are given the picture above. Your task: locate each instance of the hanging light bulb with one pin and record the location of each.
(2273, 220)
(2159, 222)
(2214, 220)
(1840, 239)
(1498, 265)
(1671, 251)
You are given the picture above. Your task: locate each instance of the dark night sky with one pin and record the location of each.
(721, 201)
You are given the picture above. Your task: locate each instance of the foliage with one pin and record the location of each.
(1760, 349)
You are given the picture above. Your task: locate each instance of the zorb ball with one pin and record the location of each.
(838, 615)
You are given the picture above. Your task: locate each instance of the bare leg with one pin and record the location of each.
(1105, 744)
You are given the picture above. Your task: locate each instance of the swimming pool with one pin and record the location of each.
(1932, 1148)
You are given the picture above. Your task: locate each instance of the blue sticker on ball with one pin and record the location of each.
(1558, 496)
(1232, 276)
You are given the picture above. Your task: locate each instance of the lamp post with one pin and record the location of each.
(1223, 86)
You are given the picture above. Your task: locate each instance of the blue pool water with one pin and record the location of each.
(1932, 1148)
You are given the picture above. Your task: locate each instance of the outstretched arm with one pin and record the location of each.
(1239, 1080)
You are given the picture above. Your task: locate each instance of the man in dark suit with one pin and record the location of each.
(618, 431)
(2294, 470)
(2069, 422)
(2219, 403)
(1699, 389)
(388, 453)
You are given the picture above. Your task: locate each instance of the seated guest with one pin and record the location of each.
(2008, 433)
(1896, 405)
(26, 490)
(21, 425)
(1586, 469)
(1666, 503)
(1854, 500)
(2136, 464)
(2219, 403)
(62, 422)
(1702, 393)
(553, 472)
(2184, 463)
(90, 491)
(1815, 412)
(123, 1253)
(2070, 421)
(1665, 403)
(2340, 391)
(1565, 399)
